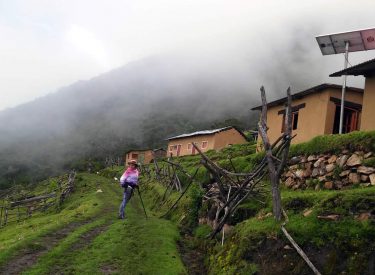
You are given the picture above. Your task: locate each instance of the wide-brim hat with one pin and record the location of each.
(133, 161)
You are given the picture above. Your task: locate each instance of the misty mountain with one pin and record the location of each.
(135, 106)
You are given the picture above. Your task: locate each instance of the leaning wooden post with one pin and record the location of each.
(275, 170)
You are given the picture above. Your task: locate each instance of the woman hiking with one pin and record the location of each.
(129, 181)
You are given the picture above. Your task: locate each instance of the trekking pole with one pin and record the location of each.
(144, 209)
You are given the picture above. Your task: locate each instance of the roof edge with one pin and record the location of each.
(307, 92)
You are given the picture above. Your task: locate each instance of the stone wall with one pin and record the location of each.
(329, 171)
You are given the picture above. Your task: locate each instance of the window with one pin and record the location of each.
(294, 122)
(134, 156)
(204, 144)
(175, 147)
(170, 148)
(295, 113)
(350, 120)
(189, 146)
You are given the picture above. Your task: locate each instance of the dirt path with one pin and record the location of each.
(28, 256)
(193, 258)
(84, 240)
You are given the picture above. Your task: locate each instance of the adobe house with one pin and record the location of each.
(315, 111)
(205, 140)
(367, 69)
(145, 156)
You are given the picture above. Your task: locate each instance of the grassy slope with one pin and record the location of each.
(345, 241)
(334, 246)
(136, 246)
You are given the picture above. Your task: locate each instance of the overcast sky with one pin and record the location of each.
(45, 45)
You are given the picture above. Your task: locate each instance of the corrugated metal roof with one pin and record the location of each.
(363, 68)
(205, 132)
(304, 93)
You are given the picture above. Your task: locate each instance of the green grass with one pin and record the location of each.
(83, 204)
(336, 143)
(347, 235)
(135, 246)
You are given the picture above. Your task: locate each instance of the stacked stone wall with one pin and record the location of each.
(329, 171)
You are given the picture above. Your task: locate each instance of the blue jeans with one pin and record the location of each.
(128, 192)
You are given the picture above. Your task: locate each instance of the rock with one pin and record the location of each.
(330, 174)
(341, 161)
(308, 165)
(293, 167)
(99, 191)
(328, 185)
(365, 170)
(345, 151)
(296, 186)
(367, 184)
(372, 179)
(354, 178)
(311, 158)
(318, 162)
(287, 247)
(345, 181)
(344, 173)
(330, 167)
(359, 153)
(322, 171)
(303, 159)
(354, 160)
(289, 174)
(315, 172)
(364, 178)
(338, 184)
(299, 173)
(289, 182)
(363, 216)
(322, 178)
(332, 159)
(307, 212)
(307, 173)
(366, 156)
(295, 160)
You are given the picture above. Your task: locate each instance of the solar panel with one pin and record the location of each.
(361, 40)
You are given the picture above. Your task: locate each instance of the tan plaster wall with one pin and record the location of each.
(225, 138)
(368, 108)
(146, 154)
(315, 119)
(311, 119)
(216, 141)
(185, 141)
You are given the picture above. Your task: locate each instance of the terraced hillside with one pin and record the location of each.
(334, 227)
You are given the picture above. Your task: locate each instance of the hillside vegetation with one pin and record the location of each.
(335, 228)
(136, 106)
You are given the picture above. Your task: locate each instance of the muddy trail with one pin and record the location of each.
(29, 255)
(152, 241)
(192, 256)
